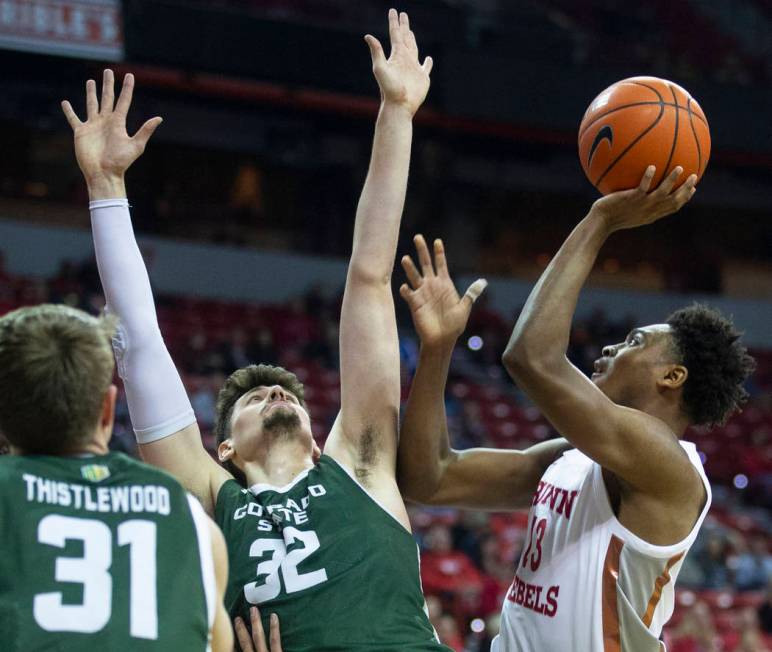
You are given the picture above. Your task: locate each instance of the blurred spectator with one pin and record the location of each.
(449, 634)
(697, 632)
(748, 636)
(445, 570)
(712, 560)
(751, 565)
(765, 610)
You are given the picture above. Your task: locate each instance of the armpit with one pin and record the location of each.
(367, 453)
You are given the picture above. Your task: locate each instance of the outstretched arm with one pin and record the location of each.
(638, 448)
(160, 411)
(429, 470)
(365, 435)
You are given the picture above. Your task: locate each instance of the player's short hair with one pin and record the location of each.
(709, 346)
(56, 364)
(239, 383)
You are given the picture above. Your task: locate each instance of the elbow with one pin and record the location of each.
(421, 484)
(365, 276)
(416, 488)
(516, 358)
(522, 362)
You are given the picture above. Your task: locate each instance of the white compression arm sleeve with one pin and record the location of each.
(158, 403)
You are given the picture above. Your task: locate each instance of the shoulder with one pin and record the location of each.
(229, 494)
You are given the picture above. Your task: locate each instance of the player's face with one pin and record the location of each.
(628, 372)
(266, 414)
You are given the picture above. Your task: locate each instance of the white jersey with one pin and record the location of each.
(584, 582)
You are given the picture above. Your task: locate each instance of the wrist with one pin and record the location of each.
(438, 348)
(398, 110)
(600, 222)
(106, 187)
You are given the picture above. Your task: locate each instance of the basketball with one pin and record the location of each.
(638, 122)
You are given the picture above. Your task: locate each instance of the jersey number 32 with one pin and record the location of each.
(285, 563)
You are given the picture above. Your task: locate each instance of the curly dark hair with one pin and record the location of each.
(239, 383)
(709, 346)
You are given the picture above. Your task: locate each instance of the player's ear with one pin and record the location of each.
(674, 378)
(316, 453)
(107, 417)
(225, 450)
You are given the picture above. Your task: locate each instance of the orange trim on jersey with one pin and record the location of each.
(611, 641)
(659, 584)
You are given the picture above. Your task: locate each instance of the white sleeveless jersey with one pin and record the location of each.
(584, 582)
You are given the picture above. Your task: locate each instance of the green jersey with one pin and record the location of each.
(101, 553)
(339, 571)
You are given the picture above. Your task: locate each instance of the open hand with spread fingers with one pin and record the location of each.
(403, 80)
(102, 146)
(627, 209)
(439, 314)
(256, 642)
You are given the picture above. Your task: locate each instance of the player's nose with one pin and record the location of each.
(277, 393)
(609, 351)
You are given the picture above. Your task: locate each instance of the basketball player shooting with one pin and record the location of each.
(321, 540)
(615, 506)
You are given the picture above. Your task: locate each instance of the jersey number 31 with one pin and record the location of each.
(92, 570)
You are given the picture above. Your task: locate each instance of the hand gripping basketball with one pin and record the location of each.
(639, 122)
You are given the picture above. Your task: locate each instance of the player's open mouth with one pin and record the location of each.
(275, 404)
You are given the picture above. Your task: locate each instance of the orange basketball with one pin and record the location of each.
(638, 122)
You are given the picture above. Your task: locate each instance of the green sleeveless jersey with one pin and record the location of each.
(339, 571)
(101, 553)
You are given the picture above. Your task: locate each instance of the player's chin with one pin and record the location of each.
(599, 380)
(283, 418)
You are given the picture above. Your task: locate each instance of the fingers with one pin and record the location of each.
(408, 38)
(242, 635)
(404, 23)
(648, 176)
(413, 276)
(258, 634)
(108, 91)
(424, 258)
(275, 634)
(428, 65)
(72, 118)
(127, 92)
(440, 262)
(407, 294)
(395, 35)
(474, 291)
(92, 104)
(687, 190)
(376, 50)
(667, 184)
(146, 130)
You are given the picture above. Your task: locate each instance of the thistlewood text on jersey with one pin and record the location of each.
(128, 499)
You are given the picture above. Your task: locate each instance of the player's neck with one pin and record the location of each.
(90, 448)
(671, 414)
(280, 465)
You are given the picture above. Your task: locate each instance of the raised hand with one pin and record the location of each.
(102, 146)
(403, 80)
(439, 314)
(630, 208)
(256, 642)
